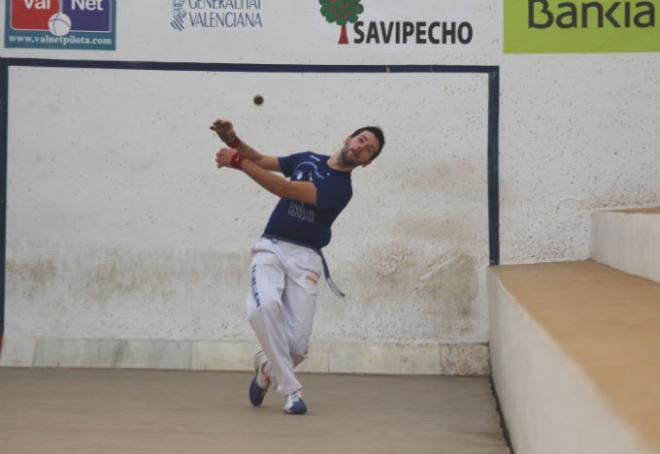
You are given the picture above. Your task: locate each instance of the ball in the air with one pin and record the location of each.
(258, 100)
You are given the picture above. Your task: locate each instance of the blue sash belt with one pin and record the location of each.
(326, 270)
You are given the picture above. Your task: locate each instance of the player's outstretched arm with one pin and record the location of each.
(302, 191)
(225, 131)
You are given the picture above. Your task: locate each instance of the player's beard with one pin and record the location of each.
(345, 159)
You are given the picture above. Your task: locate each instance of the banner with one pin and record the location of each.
(560, 26)
(416, 26)
(60, 24)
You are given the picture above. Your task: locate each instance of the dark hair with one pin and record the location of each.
(376, 131)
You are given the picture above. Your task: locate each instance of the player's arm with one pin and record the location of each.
(225, 131)
(302, 191)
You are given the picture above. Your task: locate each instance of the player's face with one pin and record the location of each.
(359, 150)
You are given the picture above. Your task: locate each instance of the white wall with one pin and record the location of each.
(578, 133)
(120, 227)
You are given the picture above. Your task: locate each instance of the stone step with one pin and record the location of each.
(575, 357)
(628, 240)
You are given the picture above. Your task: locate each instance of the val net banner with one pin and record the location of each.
(60, 24)
(552, 26)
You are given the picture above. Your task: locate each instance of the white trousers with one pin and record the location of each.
(280, 305)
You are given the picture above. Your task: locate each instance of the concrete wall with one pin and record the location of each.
(127, 230)
(578, 134)
(119, 227)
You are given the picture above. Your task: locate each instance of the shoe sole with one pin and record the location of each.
(256, 399)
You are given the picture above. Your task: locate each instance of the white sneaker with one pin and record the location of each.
(295, 405)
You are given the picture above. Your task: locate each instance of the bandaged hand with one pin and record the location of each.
(229, 158)
(225, 130)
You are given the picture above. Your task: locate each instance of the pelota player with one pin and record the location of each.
(287, 261)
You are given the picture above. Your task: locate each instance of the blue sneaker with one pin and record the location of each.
(295, 405)
(261, 380)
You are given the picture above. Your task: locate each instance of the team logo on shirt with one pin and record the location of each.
(305, 171)
(301, 211)
(308, 171)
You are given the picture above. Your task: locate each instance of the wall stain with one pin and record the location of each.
(442, 289)
(424, 228)
(454, 279)
(30, 278)
(159, 275)
(99, 276)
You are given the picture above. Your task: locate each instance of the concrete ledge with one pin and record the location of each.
(628, 240)
(566, 362)
(110, 353)
(333, 357)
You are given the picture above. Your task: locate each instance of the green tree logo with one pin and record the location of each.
(341, 12)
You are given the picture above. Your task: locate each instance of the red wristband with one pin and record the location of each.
(234, 143)
(236, 161)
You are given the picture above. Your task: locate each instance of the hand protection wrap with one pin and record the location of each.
(236, 161)
(234, 143)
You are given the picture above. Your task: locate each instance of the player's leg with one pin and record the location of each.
(304, 270)
(266, 315)
(299, 306)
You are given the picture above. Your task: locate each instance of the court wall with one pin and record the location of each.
(127, 248)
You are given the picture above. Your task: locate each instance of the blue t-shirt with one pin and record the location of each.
(306, 223)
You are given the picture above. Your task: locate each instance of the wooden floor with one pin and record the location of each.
(126, 411)
(608, 322)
